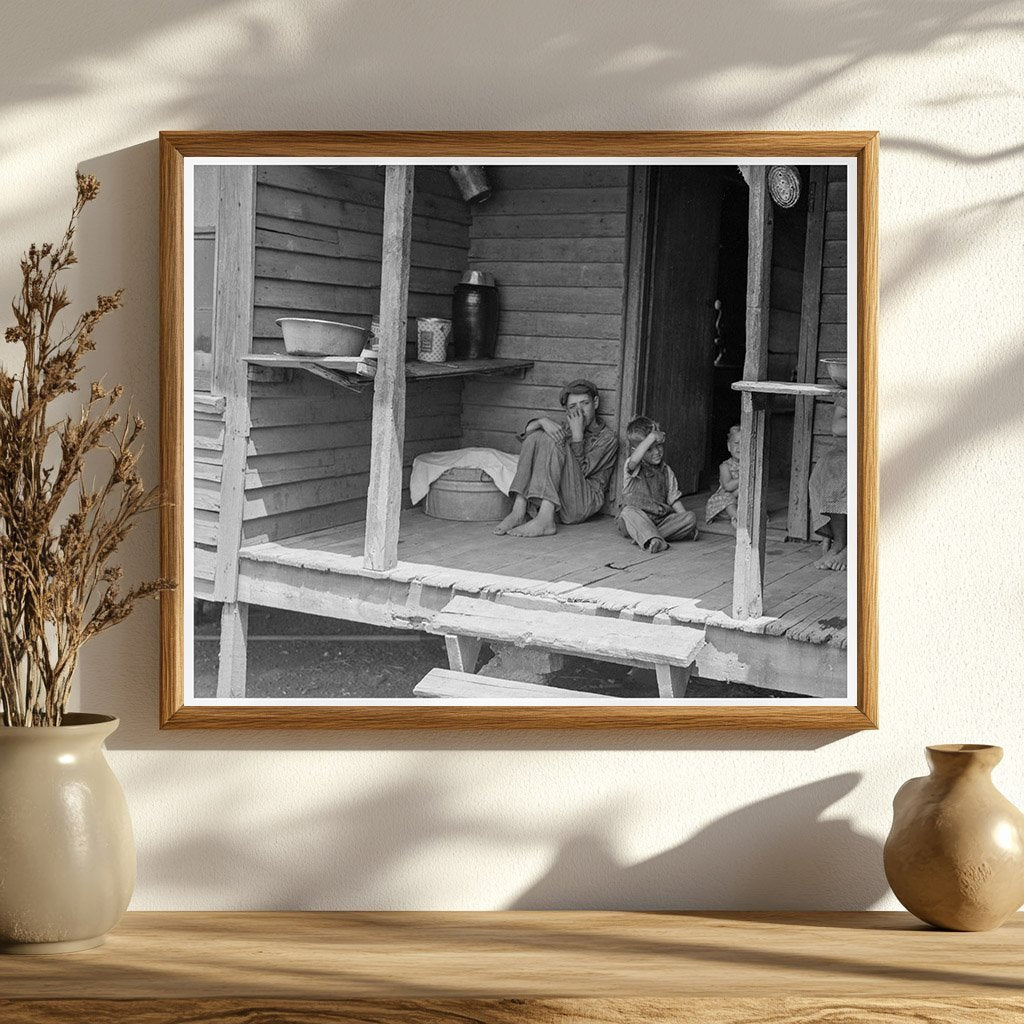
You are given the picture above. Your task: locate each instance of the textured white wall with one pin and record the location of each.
(754, 820)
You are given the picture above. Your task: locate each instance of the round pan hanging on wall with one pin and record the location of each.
(784, 185)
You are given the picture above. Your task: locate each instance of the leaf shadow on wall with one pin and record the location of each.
(777, 853)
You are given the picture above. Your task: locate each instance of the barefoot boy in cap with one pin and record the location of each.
(563, 468)
(651, 511)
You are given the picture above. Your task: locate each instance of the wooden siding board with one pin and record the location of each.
(537, 251)
(558, 176)
(319, 255)
(561, 300)
(550, 201)
(584, 225)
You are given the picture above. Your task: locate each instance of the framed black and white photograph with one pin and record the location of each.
(546, 430)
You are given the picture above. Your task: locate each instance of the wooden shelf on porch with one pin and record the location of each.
(789, 388)
(353, 369)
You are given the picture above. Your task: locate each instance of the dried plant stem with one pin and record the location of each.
(58, 586)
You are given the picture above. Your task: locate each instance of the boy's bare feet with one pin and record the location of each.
(656, 545)
(542, 526)
(515, 518)
(509, 523)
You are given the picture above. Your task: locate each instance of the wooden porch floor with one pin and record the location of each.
(591, 564)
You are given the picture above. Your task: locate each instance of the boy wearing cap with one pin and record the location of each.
(563, 469)
(651, 510)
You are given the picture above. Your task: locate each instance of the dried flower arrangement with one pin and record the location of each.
(58, 587)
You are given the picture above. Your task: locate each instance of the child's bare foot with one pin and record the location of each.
(656, 545)
(834, 559)
(510, 522)
(542, 526)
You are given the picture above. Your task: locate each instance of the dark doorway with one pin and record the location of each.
(692, 345)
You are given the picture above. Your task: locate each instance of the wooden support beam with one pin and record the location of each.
(672, 680)
(748, 573)
(384, 503)
(463, 652)
(233, 661)
(807, 358)
(234, 285)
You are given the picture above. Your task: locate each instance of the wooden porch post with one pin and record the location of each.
(748, 574)
(384, 498)
(807, 360)
(234, 284)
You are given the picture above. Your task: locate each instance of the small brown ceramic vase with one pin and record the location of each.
(955, 854)
(67, 856)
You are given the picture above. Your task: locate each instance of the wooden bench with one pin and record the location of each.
(443, 682)
(466, 622)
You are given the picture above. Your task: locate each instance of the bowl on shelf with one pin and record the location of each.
(304, 337)
(836, 370)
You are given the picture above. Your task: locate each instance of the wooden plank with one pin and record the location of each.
(463, 653)
(833, 309)
(561, 351)
(836, 199)
(384, 496)
(835, 225)
(787, 388)
(807, 363)
(556, 201)
(783, 330)
(561, 300)
(209, 405)
(231, 664)
(514, 420)
(459, 685)
(603, 326)
(833, 281)
(630, 643)
(321, 181)
(540, 250)
(435, 398)
(578, 273)
(307, 520)
(834, 254)
(543, 176)
(748, 573)
(232, 318)
(278, 241)
(272, 440)
(572, 225)
(299, 229)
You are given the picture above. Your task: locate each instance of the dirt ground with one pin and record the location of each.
(295, 655)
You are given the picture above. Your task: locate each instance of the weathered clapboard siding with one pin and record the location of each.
(208, 420)
(788, 243)
(308, 456)
(318, 254)
(832, 333)
(555, 240)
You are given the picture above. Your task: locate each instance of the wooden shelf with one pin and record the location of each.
(353, 369)
(788, 388)
(546, 966)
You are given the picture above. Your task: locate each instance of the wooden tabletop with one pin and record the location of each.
(524, 966)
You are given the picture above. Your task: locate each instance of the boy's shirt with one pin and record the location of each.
(652, 489)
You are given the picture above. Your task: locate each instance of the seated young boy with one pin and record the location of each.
(651, 511)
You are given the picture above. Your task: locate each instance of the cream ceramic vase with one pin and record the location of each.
(955, 854)
(67, 855)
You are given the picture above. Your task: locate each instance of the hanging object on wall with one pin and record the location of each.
(472, 182)
(784, 185)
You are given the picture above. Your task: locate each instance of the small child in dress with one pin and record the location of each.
(726, 498)
(651, 511)
(827, 487)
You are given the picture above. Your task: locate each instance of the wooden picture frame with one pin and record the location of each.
(241, 569)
